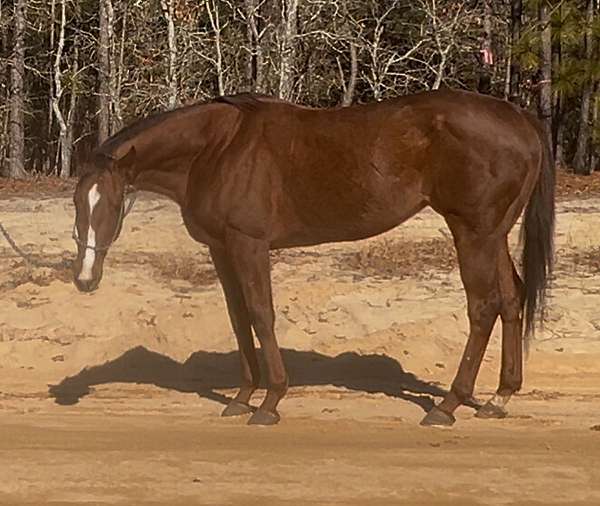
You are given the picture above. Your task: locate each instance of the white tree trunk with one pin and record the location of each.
(212, 7)
(351, 86)
(168, 12)
(289, 31)
(65, 137)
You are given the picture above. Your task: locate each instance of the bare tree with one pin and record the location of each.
(516, 10)
(104, 68)
(4, 90)
(287, 44)
(581, 161)
(350, 86)
(17, 95)
(212, 8)
(384, 60)
(254, 35)
(487, 54)
(444, 34)
(65, 123)
(545, 83)
(168, 12)
(116, 75)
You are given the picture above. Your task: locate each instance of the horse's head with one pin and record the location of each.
(99, 211)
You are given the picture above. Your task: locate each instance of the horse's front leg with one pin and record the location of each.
(240, 321)
(250, 261)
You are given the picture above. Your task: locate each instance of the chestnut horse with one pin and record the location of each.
(252, 174)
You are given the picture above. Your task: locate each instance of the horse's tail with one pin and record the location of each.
(537, 233)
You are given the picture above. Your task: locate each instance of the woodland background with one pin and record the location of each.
(72, 72)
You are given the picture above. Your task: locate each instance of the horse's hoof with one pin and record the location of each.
(490, 410)
(236, 408)
(438, 418)
(262, 417)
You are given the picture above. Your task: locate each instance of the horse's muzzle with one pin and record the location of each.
(87, 285)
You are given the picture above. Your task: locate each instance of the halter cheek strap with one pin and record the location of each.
(124, 211)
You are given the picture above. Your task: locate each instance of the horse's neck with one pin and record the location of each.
(165, 152)
(168, 179)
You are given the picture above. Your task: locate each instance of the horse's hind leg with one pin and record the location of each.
(511, 371)
(477, 257)
(240, 321)
(250, 260)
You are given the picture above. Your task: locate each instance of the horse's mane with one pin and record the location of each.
(249, 102)
(245, 102)
(130, 131)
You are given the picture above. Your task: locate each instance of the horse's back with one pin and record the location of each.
(298, 176)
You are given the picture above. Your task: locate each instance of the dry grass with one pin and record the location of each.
(38, 186)
(19, 272)
(587, 260)
(400, 259)
(573, 186)
(195, 269)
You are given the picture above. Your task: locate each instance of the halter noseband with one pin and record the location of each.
(124, 211)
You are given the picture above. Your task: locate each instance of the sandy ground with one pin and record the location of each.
(114, 397)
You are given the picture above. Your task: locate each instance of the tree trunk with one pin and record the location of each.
(516, 10)
(17, 96)
(4, 99)
(289, 31)
(595, 130)
(64, 147)
(67, 148)
(545, 83)
(581, 161)
(104, 40)
(117, 77)
(212, 7)
(487, 55)
(167, 7)
(255, 62)
(351, 86)
(557, 120)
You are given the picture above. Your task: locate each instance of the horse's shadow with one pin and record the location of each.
(205, 372)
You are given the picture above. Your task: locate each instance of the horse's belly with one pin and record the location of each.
(352, 226)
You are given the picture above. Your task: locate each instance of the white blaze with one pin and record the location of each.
(90, 254)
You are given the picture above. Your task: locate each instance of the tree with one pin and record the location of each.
(17, 95)
(104, 42)
(545, 82)
(168, 12)
(255, 61)
(124, 59)
(516, 12)
(287, 46)
(487, 52)
(581, 160)
(65, 121)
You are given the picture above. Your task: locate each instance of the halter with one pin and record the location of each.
(124, 211)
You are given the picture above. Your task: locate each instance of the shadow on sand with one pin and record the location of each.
(204, 372)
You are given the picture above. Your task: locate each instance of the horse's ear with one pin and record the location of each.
(127, 161)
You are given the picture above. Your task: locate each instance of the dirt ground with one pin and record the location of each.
(114, 397)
